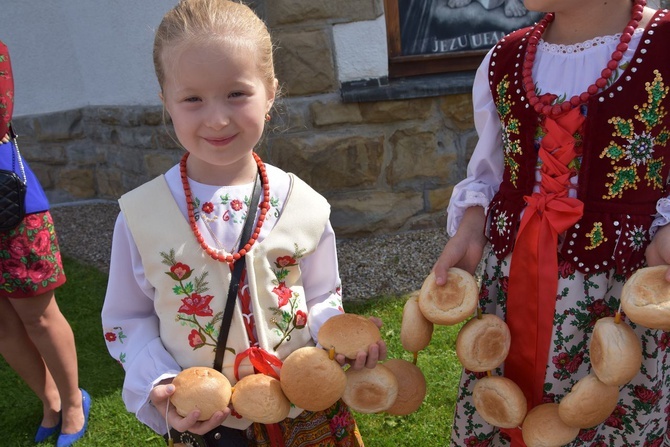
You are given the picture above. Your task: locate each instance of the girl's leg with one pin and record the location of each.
(22, 355)
(52, 335)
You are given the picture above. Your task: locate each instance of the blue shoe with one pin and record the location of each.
(66, 440)
(44, 433)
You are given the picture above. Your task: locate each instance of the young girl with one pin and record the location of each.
(569, 182)
(179, 242)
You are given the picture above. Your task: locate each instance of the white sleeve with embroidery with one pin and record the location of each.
(485, 168)
(130, 325)
(321, 280)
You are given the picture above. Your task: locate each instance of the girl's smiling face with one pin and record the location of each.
(216, 97)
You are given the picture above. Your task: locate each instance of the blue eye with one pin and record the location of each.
(192, 99)
(236, 94)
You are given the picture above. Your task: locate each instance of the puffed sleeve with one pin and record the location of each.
(321, 280)
(485, 168)
(130, 325)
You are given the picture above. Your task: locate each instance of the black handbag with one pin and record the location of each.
(12, 191)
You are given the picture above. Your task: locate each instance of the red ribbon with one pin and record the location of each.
(261, 360)
(533, 278)
(263, 363)
(275, 434)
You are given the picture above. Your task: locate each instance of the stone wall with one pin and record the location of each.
(386, 166)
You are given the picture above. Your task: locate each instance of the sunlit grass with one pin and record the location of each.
(80, 300)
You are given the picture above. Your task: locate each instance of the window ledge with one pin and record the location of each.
(407, 88)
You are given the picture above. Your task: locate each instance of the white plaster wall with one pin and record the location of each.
(361, 50)
(72, 53)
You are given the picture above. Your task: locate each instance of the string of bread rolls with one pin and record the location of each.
(483, 344)
(398, 387)
(309, 378)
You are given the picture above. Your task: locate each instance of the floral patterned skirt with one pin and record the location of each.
(30, 261)
(642, 416)
(334, 427)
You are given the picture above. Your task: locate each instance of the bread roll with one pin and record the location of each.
(615, 351)
(645, 298)
(451, 303)
(411, 387)
(415, 330)
(499, 401)
(589, 403)
(259, 398)
(543, 428)
(483, 343)
(311, 380)
(201, 388)
(370, 390)
(348, 334)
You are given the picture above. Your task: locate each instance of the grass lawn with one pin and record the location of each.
(80, 299)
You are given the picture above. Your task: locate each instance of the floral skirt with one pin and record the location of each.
(642, 415)
(334, 427)
(30, 261)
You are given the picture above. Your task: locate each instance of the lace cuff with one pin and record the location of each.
(662, 217)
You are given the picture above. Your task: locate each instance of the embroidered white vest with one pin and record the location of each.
(177, 267)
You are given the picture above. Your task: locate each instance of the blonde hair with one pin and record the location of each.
(198, 21)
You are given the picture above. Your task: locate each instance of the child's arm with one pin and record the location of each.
(321, 280)
(466, 215)
(658, 251)
(130, 326)
(465, 248)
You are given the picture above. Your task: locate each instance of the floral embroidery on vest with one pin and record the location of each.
(194, 311)
(286, 320)
(596, 236)
(510, 129)
(637, 236)
(502, 223)
(639, 148)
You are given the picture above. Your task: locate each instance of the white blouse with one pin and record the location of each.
(554, 71)
(129, 298)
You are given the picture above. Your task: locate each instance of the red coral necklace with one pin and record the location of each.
(543, 105)
(264, 207)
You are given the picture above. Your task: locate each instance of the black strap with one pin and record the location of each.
(235, 277)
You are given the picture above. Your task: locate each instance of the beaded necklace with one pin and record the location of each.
(230, 258)
(543, 105)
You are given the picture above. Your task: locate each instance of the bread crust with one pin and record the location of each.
(483, 343)
(645, 298)
(311, 380)
(615, 351)
(416, 331)
(544, 428)
(348, 334)
(499, 401)
(589, 403)
(202, 388)
(451, 303)
(259, 398)
(370, 390)
(411, 387)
